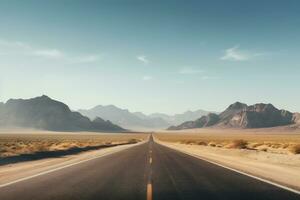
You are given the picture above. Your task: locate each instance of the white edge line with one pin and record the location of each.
(235, 170)
(65, 166)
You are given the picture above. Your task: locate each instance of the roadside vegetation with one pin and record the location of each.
(268, 142)
(295, 149)
(20, 144)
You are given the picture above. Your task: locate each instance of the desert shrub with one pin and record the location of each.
(239, 144)
(133, 141)
(264, 149)
(189, 142)
(41, 147)
(3, 149)
(202, 143)
(211, 144)
(255, 145)
(276, 146)
(285, 146)
(295, 149)
(268, 144)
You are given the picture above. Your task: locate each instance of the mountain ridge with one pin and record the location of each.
(240, 115)
(127, 119)
(45, 113)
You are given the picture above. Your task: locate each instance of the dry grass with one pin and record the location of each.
(17, 144)
(295, 149)
(238, 144)
(282, 141)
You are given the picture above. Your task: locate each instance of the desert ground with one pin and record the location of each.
(284, 141)
(24, 142)
(273, 154)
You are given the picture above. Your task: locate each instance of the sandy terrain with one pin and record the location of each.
(273, 160)
(273, 130)
(15, 143)
(269, 140)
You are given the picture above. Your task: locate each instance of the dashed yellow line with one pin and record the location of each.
(149, 191)
(149, 184)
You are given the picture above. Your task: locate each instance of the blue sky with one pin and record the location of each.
(152, 56)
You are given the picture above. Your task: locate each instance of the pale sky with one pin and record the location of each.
(152, 56)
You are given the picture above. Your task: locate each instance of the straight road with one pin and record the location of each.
(147, 171)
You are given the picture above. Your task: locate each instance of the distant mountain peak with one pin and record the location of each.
(237, 105)
(44, 96)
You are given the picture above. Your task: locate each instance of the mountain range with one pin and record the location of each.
(182, 117)
(48, 114)
(240, 115)
(45, 113)
(123, 117)
(139, 120)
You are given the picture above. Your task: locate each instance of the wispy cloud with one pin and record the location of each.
(21, 48)
(14, 44)
(201, 74)
(143, 59)
(209, 77)
(147, 78)
(48, 53)
(190, 71)
(85, 59)
(236, 54)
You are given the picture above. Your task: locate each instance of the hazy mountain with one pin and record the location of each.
(124, 118)
(142, 115)
(239, 115)
(46, 113)
(180, 118)
(133, 120)
(160, 115)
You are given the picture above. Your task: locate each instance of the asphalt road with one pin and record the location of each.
(147, 171)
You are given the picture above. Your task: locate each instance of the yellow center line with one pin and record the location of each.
(149, 191)
(149, 184)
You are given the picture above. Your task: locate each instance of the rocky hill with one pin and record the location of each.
(203, 121)
(239, 115)
(46, 113)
